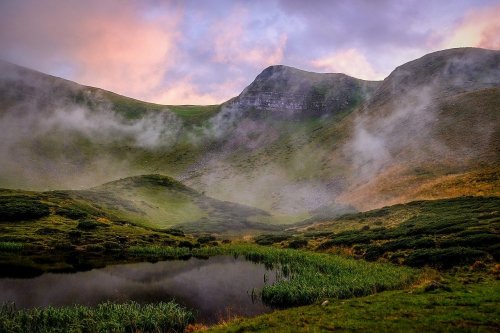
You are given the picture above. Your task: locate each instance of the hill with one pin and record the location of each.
(153, 202)
(293, 143)
(431, 130)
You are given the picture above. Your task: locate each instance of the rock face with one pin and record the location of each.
(286, 92)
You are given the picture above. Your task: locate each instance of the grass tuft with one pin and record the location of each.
(106, 317)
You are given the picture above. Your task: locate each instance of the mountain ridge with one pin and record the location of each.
(290, 143)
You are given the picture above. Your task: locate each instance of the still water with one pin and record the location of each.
(215, 288)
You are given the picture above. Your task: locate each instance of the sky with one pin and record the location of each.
(207, 51)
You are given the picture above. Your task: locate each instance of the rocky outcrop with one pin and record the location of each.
(286, 92)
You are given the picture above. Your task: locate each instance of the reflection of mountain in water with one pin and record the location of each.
(209, 286)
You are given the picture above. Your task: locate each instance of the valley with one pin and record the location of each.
(348, 204)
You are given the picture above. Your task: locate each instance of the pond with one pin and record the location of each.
(214, 288)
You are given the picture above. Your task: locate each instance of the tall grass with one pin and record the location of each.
(305, 277)
(308, 277)
(11, 246)
(166, 252)
(106, 317)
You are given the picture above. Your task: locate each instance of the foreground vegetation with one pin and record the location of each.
(314, 261)
(303, 277)
(440, 233)
(107, 317)
(458, 303)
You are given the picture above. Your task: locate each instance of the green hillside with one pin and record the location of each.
(292, 143)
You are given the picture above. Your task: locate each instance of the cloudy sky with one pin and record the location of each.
(207, 51)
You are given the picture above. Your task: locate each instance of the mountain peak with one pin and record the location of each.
(282, 91)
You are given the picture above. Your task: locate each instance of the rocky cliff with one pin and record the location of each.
(287, 92)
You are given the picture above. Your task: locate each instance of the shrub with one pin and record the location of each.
(475, 241)
(18, 208)
(87, 224)
(174, 232)
(206, 239)
(186, 244)
(109, 245)
(95, 248)
(298, 243)
(444, 258)
(71, 212)
(269, 239)
(47, 231)
(374, 252)
(74, 235)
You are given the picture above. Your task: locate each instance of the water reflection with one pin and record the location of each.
(214, 287)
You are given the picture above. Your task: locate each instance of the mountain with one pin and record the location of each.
(53, 129)
(295, 144)
(287, 92)
(433, 128)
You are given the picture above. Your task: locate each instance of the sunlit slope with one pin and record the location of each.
(161, 202)
(432, 130)
(151, 201)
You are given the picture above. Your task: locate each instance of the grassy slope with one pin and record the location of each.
(441, 233)
(154, 202)
(459, 297)
(135, 109)
(65, 233)
(467, 162)
(458, 307)
(160, 202)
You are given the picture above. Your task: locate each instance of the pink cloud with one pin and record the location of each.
(479, 27)
(233, 44)
(185, 92)
(105, 45)
(350, 62)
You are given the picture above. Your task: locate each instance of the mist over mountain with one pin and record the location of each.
(293, 143)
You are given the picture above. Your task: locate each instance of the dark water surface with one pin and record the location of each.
(215, 287)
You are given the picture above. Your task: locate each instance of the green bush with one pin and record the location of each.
(71, 212)
(206, 239)
(74, 235)
(174, 232)
(18, 208)
(444, 258)
(87, 225)
(475, 241)
(298, 243)
(95, 248)
(48, 231)
(269, 239)
(186, 244)
(374, 252)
